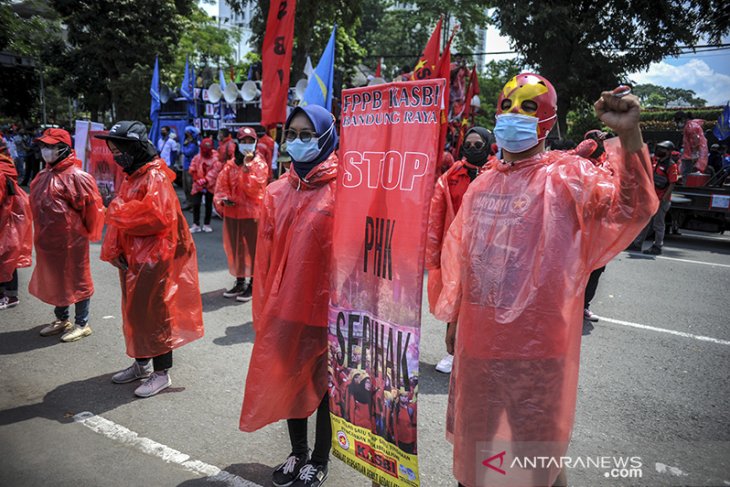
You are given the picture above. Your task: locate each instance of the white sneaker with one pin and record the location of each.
(76, 333)
(207, 228)
(56, 327)
(157, 382)
(445, 364)
(133, 372)
(195, 229)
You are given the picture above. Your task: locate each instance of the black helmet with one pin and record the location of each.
(666, 144)
(126, 130)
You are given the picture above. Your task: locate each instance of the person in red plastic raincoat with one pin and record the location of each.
(148, 240)
(68, 212)
(515, 264)
(226, 145)
(204, 169)
(287, 375)
(16, 221)
(238, 196)
(445, 202)
(694, 143)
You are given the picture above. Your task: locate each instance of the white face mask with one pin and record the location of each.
(49, 154)
(246, 148)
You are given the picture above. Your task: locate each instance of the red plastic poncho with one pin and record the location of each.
(694, 143)
(205, 168)
(68, 212)
(515, 264)
(244, 185)
(287, 375)
(445, 202)
(16, 221)
(161, 305)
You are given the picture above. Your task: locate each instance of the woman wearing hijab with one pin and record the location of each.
(446, 200)
(287, 375)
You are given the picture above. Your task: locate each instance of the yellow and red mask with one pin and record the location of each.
(532, 95)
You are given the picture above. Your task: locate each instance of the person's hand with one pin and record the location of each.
(202, 182)
(621, 114)
(450, 338)
(120, 262)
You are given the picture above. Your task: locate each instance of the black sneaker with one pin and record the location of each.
(311, 475)
(8, 302)
(653, 250)
(246, 295)
(286, 473)
(238, 289)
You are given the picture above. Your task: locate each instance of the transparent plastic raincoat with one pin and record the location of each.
(515, 264)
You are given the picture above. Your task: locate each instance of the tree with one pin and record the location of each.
(112, 48)
(395, 28)
(585, 47)
(662, 97)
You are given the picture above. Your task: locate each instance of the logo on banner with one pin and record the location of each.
(489, 462)
(376, 459)
(342, 440)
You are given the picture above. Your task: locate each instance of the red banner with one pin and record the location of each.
(388, 153)
(276, 61)
(101, 165)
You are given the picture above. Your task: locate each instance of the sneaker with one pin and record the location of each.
(238, 289)
(207, 228)
(587, 314)
(76, 333)
(633, 248)
(132, 373)
(286, 473)
(158, 381)
(445, 364)
(8, 302)
(587, 328)
(58, 326)
(195, 229)
(311, 475)
(653, 250)
(247, 294)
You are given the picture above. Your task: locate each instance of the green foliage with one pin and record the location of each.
(112, 50)
(581, 120)
(664, 119)
(491, 82)
(661, 96)
(585, 47)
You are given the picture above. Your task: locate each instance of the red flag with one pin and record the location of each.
(444, 71)
(472, 90)
(377, 70)
(276, 61)
(429, 60)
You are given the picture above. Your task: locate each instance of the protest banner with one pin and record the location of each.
(101, 166)
(388, 153)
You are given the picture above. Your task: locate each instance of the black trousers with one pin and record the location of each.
(10, 287)
(197, 201)
(161, 362)
(323, 434)
(592, 285)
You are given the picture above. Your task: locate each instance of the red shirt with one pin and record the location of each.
(668, 171)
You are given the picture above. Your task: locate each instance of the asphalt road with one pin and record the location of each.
(643, 392)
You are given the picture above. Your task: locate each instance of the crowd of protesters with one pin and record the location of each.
(270, 245)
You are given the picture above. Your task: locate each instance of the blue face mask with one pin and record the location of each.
(306, 151)
(516, 133)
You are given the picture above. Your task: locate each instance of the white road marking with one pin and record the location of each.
(692, 261)
(107, 317)
(128, 437)
(661, 468)
(648, 257)
(664, 330)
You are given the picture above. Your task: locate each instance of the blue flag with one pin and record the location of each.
(722, 128)
(319, 89)
(155, 104)
(187, 88)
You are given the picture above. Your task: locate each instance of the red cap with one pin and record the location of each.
(246, 132)
(55, 136)
(207, 143)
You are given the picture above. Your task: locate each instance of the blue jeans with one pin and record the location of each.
(82, 312)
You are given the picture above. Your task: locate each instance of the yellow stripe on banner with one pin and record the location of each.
(321, 86)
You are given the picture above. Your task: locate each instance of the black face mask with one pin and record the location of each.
(661, 155)
(124, 160)
(477, 157)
